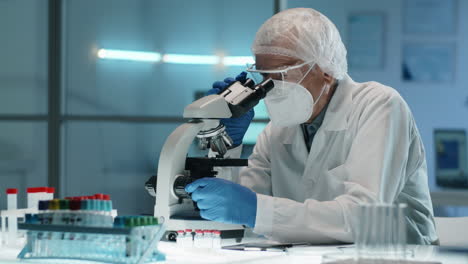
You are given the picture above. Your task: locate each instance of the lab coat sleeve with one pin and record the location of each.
(374, 170)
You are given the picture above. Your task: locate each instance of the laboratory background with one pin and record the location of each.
(90, 90)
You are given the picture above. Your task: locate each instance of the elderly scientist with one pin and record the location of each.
(331, 145)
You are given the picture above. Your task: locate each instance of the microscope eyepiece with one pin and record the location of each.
(241, 97)
(249, 83)
(264, 87)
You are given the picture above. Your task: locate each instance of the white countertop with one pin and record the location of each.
(309, 254)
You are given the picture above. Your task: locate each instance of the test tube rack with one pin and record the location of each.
(118, 245)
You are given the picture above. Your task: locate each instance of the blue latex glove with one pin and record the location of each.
(224, 201)
(235, 127)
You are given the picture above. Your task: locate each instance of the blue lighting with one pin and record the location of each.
(129, 55)
(190, 59)
(238, 60)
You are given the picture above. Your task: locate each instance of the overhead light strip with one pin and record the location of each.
(238, 60)
(190, 59)
(129, 55)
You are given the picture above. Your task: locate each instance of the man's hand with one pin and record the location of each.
(235, 127)
(224, 201)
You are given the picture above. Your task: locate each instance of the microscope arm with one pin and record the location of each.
(172, 163)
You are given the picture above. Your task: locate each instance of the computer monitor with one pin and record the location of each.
(451, 159)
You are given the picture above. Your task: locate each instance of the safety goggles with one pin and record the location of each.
(288, 73)
(277, 74)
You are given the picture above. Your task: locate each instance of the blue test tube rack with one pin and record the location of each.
(118, 245)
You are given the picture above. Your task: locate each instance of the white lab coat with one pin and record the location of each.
(368, 149)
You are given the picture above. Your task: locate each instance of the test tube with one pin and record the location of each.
(44, 218)
(35, 194)
(84, 205)
(381, 231)
(400, 221)
(99, 207)
(12, 194)
(3, 233)
(74, 208)
(108, 207)
(50, 193)
(31, 195)
(41, 195)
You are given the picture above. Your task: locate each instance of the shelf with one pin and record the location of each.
(449, 198)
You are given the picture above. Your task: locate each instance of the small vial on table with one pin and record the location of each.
(188, 238)
(180, 238)
(216, 239)
(198, 238)
(12, 195)
(209, 238)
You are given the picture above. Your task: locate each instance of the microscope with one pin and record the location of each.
(175, 169)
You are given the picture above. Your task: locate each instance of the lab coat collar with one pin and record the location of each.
(339, 106)
(336, 115)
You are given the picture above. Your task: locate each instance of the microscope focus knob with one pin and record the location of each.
(179, 186)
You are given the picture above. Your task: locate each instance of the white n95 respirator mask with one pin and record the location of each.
(289, 103)
(292, 106)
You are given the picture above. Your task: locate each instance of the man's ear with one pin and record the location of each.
(328, 78)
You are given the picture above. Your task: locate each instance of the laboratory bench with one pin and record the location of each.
(300, 254)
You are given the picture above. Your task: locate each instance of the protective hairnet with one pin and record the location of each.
(305, 34)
